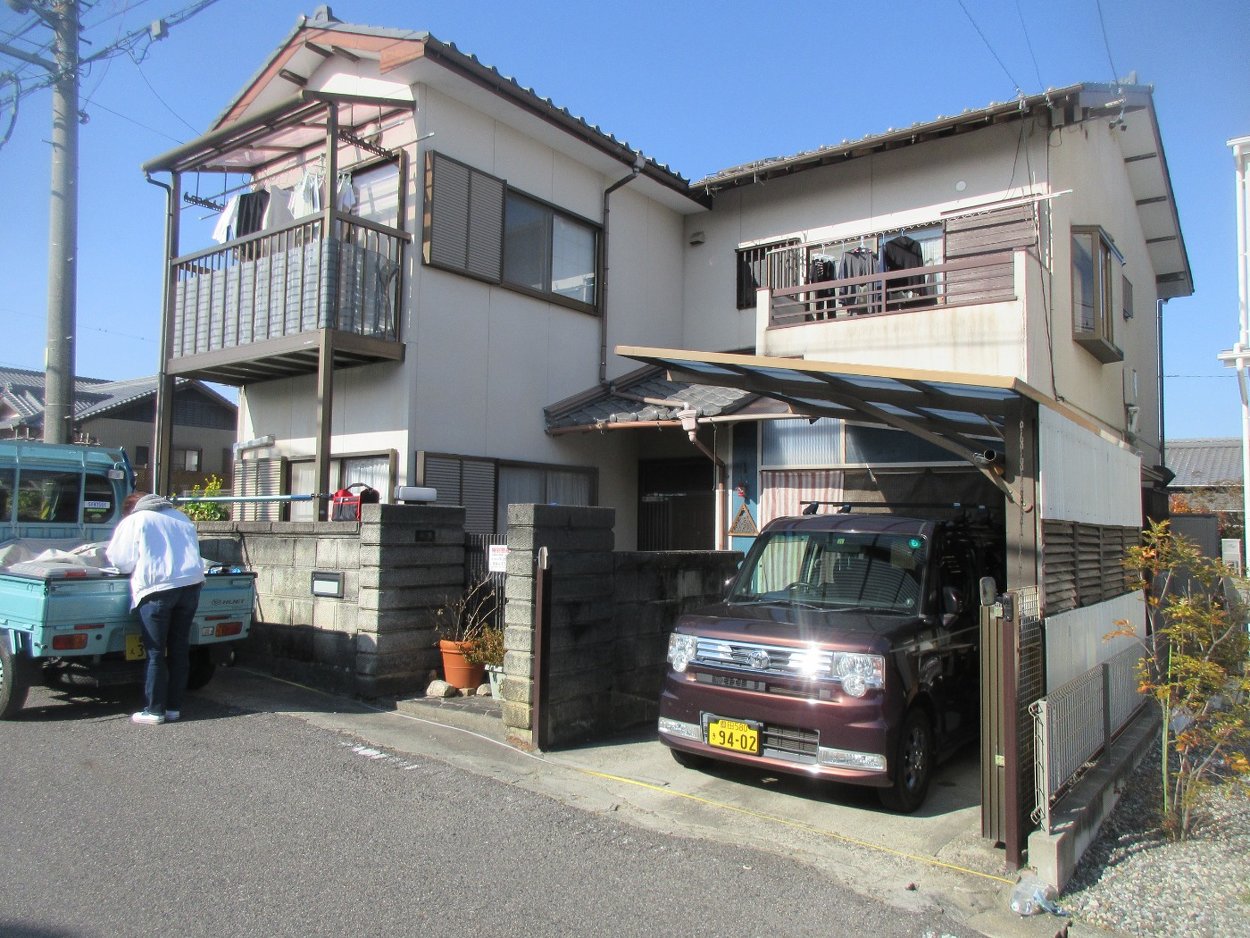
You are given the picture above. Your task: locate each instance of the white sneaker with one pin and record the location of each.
(147, 718)
(171, 716)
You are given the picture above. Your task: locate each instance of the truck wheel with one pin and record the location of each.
(202, 668)
(913, 764)
(15, 676)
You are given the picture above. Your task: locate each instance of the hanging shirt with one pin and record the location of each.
(345, 195)
(278, 211)
(223, 230)
(306, 196)
(251, 212)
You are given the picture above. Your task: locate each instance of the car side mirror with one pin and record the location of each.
(988, 590)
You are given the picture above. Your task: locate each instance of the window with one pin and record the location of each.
(486, 487)
(375, 471)
(476, 225)
(1096, 274)
(142, 455)
(49, 496)
(188, 459)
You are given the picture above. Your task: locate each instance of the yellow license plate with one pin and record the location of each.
(134, 648)
(735, 735)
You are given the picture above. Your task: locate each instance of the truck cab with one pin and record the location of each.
(846, 648)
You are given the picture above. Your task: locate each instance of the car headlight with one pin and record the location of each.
(681, 650)
(858, 672)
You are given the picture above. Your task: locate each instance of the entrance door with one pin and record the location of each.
(676, 508)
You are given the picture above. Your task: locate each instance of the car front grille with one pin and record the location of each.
(789, 743)
(784, 660)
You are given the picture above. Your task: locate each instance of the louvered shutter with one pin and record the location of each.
(478, 481)
(463, 218)
(259, 477)
(1059, 566)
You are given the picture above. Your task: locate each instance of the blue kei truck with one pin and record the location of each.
(65, 616)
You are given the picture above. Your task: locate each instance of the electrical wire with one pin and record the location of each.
(1115, 75)
(159, 133)
(156, 94)
(1041, 85)
(1015, 84)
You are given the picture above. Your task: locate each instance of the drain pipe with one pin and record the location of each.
(690, 423)
(639, 162)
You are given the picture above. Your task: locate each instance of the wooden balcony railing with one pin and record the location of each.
(278, 283)
(989, 278)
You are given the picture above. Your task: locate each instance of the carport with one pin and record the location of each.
(991, 422)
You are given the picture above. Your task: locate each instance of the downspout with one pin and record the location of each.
(639, 162)
(162, 430)
(690, 423)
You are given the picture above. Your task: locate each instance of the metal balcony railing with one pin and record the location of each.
(291, 280)
(988, 278)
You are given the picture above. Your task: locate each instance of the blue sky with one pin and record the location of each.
(697, 85)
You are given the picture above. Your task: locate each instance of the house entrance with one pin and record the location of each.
(676, 509)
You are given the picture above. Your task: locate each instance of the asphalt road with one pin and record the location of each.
(240, 821)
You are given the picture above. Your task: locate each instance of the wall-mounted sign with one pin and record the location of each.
(497, 558)
(327, 583)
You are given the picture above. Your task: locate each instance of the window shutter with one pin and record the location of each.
(1059, 566)
(478, 480)
(259, 477)
(463, 218)
(442, 473)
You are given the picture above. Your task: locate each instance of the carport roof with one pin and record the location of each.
(963, 413)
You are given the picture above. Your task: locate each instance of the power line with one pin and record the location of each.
(1015, 84)
(1041, 85)
(156, 94)
(1115, 75)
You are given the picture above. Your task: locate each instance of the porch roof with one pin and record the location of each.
(646, 397)
(968, 415)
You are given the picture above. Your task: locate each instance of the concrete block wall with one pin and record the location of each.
(610, 618)
(400, 563)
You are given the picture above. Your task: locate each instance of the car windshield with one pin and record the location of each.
(877, 572)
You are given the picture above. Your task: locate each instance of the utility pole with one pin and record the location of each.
(62, 17)
(1239, 356)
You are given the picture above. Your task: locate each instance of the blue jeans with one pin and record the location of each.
(167, 618)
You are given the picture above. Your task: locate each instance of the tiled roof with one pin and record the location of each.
(22, 396)
(643, 396)
(1205, 462)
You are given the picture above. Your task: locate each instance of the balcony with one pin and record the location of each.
(968, 316)
(970, 281)
(252, 309)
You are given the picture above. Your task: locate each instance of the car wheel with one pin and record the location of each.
(913, 765)
(688, 760)
(15, 678)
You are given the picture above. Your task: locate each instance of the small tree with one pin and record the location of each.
(206, 511)
(1196, 670)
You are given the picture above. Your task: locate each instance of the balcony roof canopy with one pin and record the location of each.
(294, 126)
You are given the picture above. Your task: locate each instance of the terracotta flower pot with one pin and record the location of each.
(456, 670)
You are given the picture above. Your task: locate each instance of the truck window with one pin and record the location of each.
(49, 497)
(99, 499)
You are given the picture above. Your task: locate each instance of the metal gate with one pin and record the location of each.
(477, 568)
(1011, 681)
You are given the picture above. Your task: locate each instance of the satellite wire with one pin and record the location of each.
(1041, 85)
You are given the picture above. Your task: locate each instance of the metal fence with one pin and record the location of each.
(1074, 723)
(477, 568)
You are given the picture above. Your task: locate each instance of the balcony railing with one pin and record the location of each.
(989, 278)
(279, 283)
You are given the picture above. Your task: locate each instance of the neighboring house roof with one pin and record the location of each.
(644, 396)
(1205, 462)
(22, 396)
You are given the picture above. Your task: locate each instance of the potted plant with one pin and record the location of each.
(487, 650)
(460, 624)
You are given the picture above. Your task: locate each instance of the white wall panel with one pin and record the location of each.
(1084, 477)
(1077, 640)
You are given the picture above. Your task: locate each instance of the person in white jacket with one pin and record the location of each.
(158, 546)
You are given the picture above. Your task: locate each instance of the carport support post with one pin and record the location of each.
(1021, 518)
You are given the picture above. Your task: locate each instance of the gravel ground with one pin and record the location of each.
(1135, 881)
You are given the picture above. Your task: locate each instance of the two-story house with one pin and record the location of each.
(427, 274)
